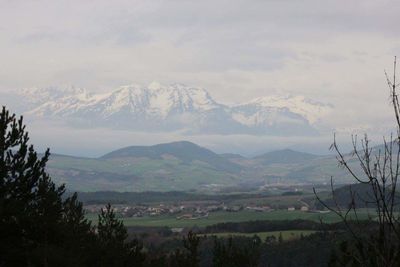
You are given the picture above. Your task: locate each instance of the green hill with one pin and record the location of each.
(185, 152)
(183, 166)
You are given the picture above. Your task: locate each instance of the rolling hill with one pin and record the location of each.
(183, 166)
(184, 151)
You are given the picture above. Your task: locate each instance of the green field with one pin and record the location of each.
(286, 235)
(222, 216)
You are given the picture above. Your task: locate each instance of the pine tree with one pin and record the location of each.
(112, 235)
(30, 203)
(79, 239)
(37, 227)
(191, 244)
(189, 255)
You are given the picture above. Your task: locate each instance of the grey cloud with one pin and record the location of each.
(322, 49)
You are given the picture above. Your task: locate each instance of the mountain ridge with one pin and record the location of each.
(176, 107)
(285, 156)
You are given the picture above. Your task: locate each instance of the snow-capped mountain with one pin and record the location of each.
(154, 100)
(38, 96)
(174, 107)
(311, 110)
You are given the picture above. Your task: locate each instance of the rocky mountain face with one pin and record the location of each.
(175, 107)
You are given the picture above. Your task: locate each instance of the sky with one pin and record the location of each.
(331, 51)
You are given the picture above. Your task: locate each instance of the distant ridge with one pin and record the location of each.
(232, 156)
(285, 156)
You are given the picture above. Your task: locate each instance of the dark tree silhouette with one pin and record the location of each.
(112, 235)
(189, 256)
(31, 207)
(39, 226)
(236, 253)
(376, 243)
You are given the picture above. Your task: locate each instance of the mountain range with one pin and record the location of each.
(176, 107)
(183, 166)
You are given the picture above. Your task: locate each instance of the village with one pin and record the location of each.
(187, 211)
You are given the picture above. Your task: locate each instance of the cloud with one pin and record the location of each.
(96, 142)
(236, 49)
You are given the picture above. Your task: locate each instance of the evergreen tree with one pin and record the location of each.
(79, 239)
(112, 235)
(40, 228)
(30, 203)
(189, 256)
(191, 244)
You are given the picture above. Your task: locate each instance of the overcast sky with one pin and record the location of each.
(333, 51)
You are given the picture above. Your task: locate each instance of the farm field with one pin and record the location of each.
(223, 216)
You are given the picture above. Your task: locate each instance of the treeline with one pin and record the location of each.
(325, 248)
(241, 251)
(265, 226)
(278, 225)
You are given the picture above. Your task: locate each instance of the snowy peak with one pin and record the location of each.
(158, 107)
(159, 100)
(155, 100)
(41, 95)
(311, 110)
(131, 98)
(179, 98)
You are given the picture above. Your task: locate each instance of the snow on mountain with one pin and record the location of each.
(311, 110)
(177, 107)
(254, 116)
(154, 100)
(42, 95)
